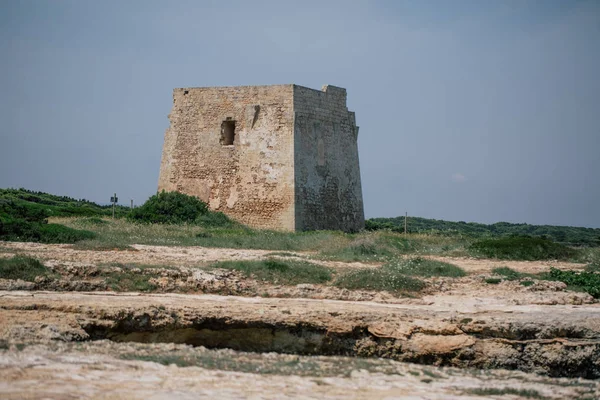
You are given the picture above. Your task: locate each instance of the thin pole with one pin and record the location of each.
(132, 204)
(114, 202)
(405, 220)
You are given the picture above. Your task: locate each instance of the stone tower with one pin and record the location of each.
(281, 157)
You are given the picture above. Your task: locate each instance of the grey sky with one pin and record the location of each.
(468, 110)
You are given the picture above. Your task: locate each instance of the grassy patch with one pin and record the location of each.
(98, 245)
(130, 282)
(283, 272)
(509, 274)
(22, 267)
(54, 233)
(526, 393)
(521, 248)
(424, 267)
(493, 281)
(379, 279)
(584, 281)
(398, 275)
(366, 247)
(378, 246)
(94, 221)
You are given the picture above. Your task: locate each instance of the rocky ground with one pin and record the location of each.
(68, 337)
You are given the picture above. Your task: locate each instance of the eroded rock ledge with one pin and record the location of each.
(554, 340)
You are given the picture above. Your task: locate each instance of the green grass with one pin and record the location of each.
(569, 235)
(57, 206)
(22, 267)
(423, 267)
(379, 279)
(521, 248)
(330, 245)
(98, 245)
(527, 393)
(283, 272)
(385, 246)
(493, 281)
(398, 275)
(509, 274)
(127, 281)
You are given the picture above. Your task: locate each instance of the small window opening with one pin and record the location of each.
(227, 132)
(186, 92)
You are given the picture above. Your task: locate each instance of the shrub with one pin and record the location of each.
(13, 211)
(521, 248)
(215, 219)
(288, 272)
(55, 233)
(21, 223)
(169, 208)
(22, 267)
(586, 281)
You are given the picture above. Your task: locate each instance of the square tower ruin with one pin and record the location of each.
(281, 157)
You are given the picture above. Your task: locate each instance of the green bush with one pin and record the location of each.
(215, 220)
(21, 223)
(24, 231)
(521, 248)
(22, 267)
(55, 233)
(586, 281)
(56, 206)
(178, 208)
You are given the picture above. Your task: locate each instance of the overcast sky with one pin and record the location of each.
(474, 110)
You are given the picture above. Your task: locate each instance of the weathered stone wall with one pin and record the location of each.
(293, 164)
(252, 180)
(327, 175)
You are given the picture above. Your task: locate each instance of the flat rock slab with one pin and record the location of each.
(555, 340)
(108, 370)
